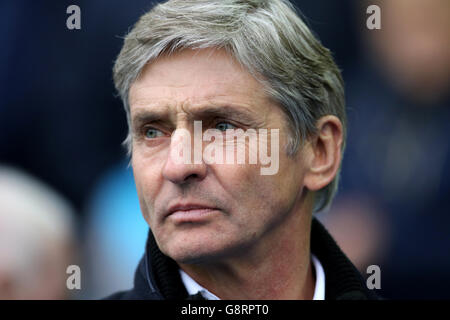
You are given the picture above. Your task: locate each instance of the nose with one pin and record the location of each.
(184, 162)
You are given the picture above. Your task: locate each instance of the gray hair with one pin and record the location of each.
(267, 37)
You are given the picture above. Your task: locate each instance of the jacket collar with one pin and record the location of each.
(343, 280)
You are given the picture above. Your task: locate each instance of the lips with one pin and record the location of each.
(188, 207)
(190, 212)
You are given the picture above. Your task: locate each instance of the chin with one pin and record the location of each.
(195, 251)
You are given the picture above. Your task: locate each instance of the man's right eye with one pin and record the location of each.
(151, 133)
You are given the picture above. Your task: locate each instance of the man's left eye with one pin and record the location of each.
(223, 126)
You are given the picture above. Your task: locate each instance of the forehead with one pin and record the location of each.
(191, 77)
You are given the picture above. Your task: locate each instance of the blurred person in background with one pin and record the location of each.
(36, 238)
(396, 201)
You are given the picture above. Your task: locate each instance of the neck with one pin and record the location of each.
(276, 267)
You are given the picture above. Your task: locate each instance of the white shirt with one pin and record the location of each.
(193, 287)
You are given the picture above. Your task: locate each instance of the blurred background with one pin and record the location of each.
(67, 195)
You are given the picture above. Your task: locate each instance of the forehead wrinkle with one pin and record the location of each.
(244, 87)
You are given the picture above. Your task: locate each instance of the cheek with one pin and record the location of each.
(247, 189)
(147, 178)
(289, 180)
(252, 192)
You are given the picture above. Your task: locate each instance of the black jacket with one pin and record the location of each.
(157, 276)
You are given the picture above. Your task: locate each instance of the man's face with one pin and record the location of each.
(201, 212)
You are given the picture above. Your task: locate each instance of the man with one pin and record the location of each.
(229, 230)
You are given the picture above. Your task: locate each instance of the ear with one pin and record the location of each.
(323, 153)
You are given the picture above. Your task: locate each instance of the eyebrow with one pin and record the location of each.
(224, 111)
(201, 113)
(147, 116)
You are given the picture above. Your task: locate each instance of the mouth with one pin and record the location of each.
(190, 212)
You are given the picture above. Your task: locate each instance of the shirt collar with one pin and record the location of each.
(319, 289)
(193, 287)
